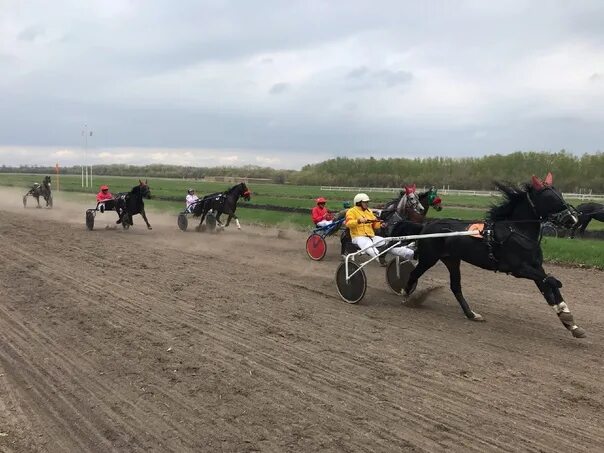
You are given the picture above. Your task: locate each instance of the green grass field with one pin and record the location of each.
(577, 252)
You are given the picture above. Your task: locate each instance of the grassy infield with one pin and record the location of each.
(581, 252)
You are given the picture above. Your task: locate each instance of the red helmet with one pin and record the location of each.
(321, 200)
(103, 187)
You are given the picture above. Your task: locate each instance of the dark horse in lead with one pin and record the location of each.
(131, 203)
(510, 243)
(222, 203)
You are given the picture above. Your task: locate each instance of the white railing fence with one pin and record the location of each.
(448, 191)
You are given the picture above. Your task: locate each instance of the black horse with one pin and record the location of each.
(222, 203)
(587, 212)
(38, 191)
(128, 204)
(510, 243)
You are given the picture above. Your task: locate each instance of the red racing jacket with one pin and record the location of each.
(103, 196)
(319, 214)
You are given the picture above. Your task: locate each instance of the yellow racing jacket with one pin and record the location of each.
(353, 216)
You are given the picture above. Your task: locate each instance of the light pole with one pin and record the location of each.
(85, 182)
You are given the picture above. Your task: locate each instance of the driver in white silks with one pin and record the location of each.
(362, 223)
(191, 199)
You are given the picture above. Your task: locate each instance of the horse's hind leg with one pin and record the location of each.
(455, 282)
(422, 266)
(145, 219)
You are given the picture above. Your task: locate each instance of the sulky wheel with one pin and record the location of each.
(183, 222)
(397, 274)
(90, 219)
(316, 248)
(547, 229)
(353, 290)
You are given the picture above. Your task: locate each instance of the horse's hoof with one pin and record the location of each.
(477, 317)
(578, 332)
(408, 291)
(149, 228)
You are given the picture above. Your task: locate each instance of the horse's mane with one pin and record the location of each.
(235, 187)
(511, 197)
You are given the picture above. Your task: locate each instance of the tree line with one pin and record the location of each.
(572, 173)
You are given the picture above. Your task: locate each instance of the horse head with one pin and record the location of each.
(244, 192)
(144, 189)
(433, 199)
(547, 202)
(46, 181)
(412, 202)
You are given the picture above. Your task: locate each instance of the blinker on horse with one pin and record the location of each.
(511, 243)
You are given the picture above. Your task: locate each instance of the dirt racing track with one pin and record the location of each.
(161, 340)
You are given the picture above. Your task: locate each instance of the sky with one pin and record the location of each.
(288, 83)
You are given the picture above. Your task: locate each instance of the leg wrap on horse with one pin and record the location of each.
(567, 320)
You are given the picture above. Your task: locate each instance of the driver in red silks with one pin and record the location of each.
(321, 216)
(103, 197)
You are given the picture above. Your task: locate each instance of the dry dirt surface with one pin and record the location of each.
(139, 341)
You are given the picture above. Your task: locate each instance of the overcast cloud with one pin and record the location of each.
(285, 83)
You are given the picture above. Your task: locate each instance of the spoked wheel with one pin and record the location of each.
(549, 230)
(183, 222)
(90, 220)
(316, 247)
(353, 290)
(397, 274)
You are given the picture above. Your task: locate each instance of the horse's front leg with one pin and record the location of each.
(144, 216)
(203, 216)
(549, 286)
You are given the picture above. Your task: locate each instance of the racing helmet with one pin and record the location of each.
(104, 187)
(321, 200)
(190, 191)
(360, 197)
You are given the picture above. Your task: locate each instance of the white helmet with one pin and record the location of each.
(360, 197)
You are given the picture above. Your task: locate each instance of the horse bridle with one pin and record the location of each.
(415, 203)
(559, 218)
